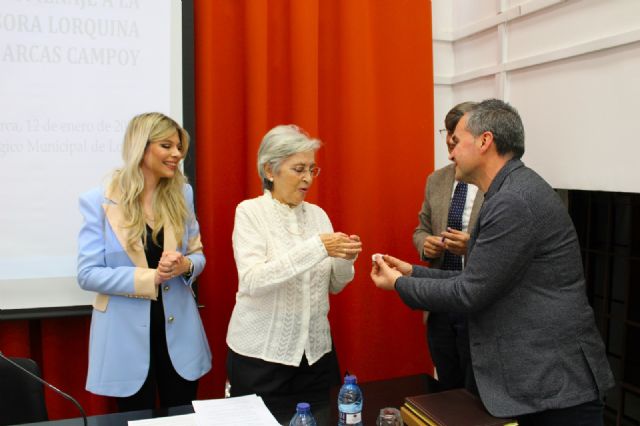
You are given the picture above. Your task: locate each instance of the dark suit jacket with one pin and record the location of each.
(432, 219)
(534, 342)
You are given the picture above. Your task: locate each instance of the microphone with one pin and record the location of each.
(55, 389)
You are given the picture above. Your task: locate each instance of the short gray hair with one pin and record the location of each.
(501, 119)
(280, 143)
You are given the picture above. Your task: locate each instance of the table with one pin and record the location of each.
(377, 394)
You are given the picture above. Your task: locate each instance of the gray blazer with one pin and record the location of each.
(533, 338)
(432, 219)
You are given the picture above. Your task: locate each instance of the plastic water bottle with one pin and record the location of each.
(350, 403)
(303, 416)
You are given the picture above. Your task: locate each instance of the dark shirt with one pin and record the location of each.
(153, 252)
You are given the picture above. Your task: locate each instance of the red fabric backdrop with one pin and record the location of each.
(358, 75)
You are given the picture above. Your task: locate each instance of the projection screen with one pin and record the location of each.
(73, 73)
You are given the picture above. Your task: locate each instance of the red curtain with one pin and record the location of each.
(358, 75)
(60, 346)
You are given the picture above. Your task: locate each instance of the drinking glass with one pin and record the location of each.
(389, 416)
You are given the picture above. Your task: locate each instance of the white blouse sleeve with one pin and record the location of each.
(342, 271)
(259, 274)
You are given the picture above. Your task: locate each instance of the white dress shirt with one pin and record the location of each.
(285, 277)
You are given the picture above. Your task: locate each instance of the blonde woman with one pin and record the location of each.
(139, 249)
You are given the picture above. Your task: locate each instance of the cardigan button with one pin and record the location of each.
(170, 319)
(166, 288)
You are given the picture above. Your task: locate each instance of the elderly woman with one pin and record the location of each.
(139, 249)
(288, 259)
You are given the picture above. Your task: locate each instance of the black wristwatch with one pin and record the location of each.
(188, 274)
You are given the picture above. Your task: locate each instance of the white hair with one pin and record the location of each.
(280, 143)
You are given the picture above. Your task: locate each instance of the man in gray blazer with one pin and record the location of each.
(536, 352)
(447, 332)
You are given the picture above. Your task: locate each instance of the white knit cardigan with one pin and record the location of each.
(285, 277)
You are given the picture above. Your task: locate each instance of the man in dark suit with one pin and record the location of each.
(536, 352)
(441, 239)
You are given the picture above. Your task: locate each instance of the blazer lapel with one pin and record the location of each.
(445, 198)
(475, 211)
(170, 243)
(115, 216)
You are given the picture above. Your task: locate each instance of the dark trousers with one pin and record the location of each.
(587, 414)
(448, 338)
(172, 389)
(282, 386)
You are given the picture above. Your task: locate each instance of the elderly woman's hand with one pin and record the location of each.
(341, 245)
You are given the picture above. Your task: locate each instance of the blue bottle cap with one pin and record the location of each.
(350, 380)
(302, 407)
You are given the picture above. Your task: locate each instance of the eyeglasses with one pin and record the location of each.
(301, 170)
(443, 133)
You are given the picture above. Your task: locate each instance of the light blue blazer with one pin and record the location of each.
(119, 340)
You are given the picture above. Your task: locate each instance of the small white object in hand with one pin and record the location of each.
(375, 256)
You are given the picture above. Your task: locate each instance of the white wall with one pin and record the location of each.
(571, 68)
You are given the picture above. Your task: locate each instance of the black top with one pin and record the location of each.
(153, 253)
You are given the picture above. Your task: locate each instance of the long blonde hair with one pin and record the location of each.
(168, 201)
